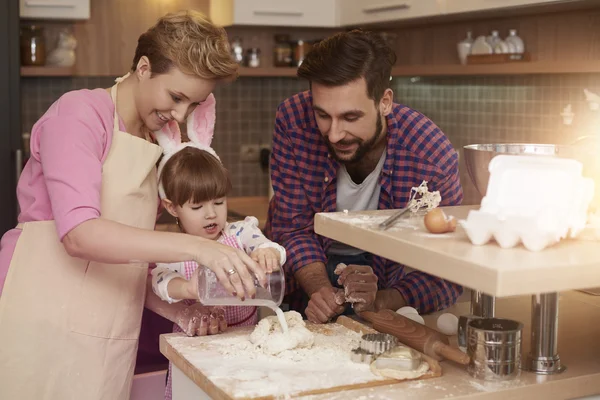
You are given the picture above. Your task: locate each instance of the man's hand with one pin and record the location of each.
(360, 286)
(324, 304)
(389, 299)
(325, 300)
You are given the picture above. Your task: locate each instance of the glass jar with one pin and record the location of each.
(33, 45)
(253, 57)
(282, 52)
(237, 51)
(212, 293)
(301, 47)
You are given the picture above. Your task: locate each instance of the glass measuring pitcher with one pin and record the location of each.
(212, 293)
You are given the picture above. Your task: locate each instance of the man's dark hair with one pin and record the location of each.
(348, 56)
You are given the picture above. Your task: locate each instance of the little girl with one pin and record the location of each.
(193, 186)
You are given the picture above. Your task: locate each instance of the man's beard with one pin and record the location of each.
(363, 146)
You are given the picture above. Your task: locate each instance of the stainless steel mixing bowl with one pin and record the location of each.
(478, 156)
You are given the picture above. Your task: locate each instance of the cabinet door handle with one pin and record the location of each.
(274, 13)
(49, 5)
(386, 7)
(19, 163)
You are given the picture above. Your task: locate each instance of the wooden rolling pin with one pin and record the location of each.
(415, 335)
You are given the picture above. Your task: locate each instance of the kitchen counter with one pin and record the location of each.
(568, 265)
(579, 330)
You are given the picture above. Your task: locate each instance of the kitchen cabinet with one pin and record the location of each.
(55, 9)
(345, 13)
(313, 13)
(465, 6)
(359, 12)
(106, 42)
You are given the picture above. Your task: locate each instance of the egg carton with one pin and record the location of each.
(533, 200)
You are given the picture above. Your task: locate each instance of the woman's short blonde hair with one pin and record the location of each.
(189, 41)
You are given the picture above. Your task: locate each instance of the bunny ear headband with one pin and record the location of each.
(200, 128)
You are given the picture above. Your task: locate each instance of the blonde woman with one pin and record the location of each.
(74, 271)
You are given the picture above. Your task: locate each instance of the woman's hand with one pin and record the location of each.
(234, 268)
(199, 320)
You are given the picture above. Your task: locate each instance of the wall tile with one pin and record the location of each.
(468, 109)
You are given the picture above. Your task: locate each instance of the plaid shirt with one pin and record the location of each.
(304, 183)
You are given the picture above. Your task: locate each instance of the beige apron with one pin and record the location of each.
(69, 328)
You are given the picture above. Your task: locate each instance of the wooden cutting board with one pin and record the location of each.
(226, 366)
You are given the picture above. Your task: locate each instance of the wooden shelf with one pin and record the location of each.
(570, 264)
(47, 71)
(514, 68)
(268, 71)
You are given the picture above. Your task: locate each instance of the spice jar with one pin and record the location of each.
(282, 52)
(33, 45)
(301, 47)
(237, 50)
(253, 57)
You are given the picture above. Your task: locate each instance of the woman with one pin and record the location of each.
(77, 263)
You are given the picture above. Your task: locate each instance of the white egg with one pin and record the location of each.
(416, 318)
(407, 310)
(447, 324)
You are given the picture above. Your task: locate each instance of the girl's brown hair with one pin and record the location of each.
(189, 41)
(194, 175)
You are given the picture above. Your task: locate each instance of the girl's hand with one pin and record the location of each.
(190, 287)
(267, 258)
(199, 320)
(234, 268)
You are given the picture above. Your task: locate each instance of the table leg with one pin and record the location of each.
(543, 357)
(184, 388)
(482, 305)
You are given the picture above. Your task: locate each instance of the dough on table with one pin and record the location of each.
(399, 353)
(270, 339)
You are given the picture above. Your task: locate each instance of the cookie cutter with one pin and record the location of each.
(377, 343)
(358, 355)
(399, 364)
(372, 345)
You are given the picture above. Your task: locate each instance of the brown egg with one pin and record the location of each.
(436, 221)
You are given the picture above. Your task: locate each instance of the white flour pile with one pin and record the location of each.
(239, 367)
(270, 339)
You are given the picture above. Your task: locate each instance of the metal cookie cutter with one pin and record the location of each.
(372, 345)
(358, 355)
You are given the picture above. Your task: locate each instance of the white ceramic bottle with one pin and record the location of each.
(493, 39)
(464, 48)
(516, 41)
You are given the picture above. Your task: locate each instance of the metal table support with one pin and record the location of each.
(483, 305)
(543, 357)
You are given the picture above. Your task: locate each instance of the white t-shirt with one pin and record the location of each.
(356, 197)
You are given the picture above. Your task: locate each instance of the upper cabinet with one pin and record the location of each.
(55, 9)
(306, 13)
(346, 13)
(464, 6)
(358, 12)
